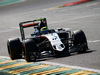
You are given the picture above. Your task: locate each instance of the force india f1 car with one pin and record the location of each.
(55, 42)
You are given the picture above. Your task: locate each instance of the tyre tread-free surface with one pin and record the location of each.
(14, 48)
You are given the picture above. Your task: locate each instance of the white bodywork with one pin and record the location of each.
(55, 41)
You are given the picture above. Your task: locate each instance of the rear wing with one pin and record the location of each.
(27, 24)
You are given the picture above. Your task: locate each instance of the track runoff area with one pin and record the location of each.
(21, 67)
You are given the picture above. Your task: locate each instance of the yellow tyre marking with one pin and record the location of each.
(51, 71)
(29, 68)
(7, 61)
(82, 73)
(14, 65)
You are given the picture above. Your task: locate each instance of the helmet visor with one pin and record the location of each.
(44, 32)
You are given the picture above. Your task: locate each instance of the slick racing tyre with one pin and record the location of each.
(14, 48)
(30, 50)
(79, 39)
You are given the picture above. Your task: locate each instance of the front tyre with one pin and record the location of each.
(14, 48)
(79, 40)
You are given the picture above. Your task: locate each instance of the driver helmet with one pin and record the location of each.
(44, 30)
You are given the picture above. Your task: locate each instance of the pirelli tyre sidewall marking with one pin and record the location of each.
(21, 67)
(7, 2)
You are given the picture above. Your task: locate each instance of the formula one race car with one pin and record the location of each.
(45, 41)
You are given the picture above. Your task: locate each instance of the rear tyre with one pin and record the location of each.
(30, 50)
(14, 48)
(79, 40)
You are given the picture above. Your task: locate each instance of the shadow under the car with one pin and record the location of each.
(44, 58)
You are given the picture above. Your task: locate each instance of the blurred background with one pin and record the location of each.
(85, 16)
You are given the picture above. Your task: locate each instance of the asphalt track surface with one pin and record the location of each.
(84, 16)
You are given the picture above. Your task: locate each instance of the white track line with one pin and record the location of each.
(4, 57)
(81, 17)
(63, 65)
(95, 41)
